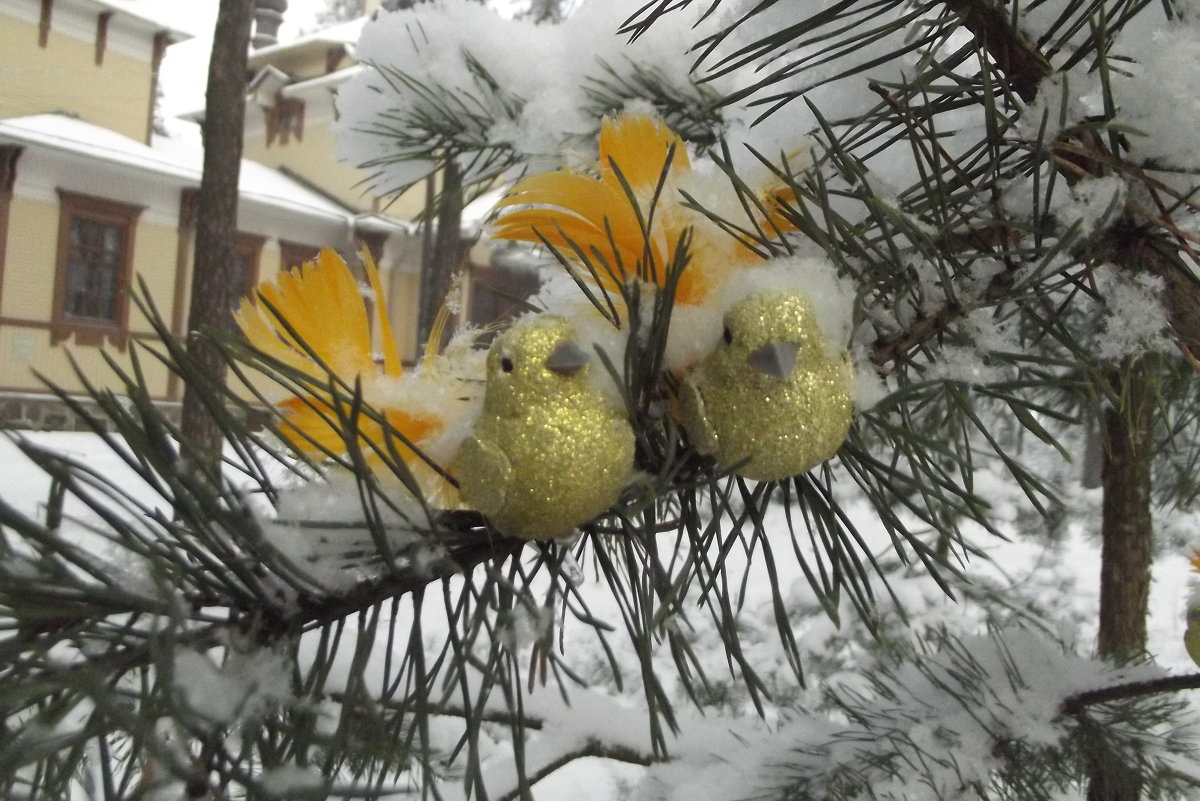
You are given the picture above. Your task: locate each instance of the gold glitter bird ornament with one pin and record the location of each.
(550, 450)
(1191, 636)
(773, 399)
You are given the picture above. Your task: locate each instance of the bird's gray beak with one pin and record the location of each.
(777, 359)
(567, 359)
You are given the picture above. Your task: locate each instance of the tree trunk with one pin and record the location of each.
(446, 255)
(1126, 530)
(212, 289)
(1127, 535)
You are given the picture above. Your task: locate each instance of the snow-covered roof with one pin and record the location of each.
(330, 81)
(477, 213)
(178, 157)
(343, 33)
(373, 222)
(154, 15)
(70, 134)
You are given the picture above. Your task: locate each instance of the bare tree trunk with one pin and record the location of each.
(1127, 535)
(216, 219)
(446, 255)
(1127, 531)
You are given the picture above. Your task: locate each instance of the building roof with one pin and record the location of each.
(478, 213)
(178, 157)
(153, 15)
(343, 33)
(329, 81)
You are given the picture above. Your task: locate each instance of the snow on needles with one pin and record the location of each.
(533, 92)
(522, 86)
(941, 726)
(248, 684)
(1159, 99)
(1133, 320)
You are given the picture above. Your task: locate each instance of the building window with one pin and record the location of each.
(497, 293)
(95, 255)
(292, 254)
(246, 251)
(285, 119)
(9, 154)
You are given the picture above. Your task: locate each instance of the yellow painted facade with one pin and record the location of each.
(27, 303)
(403, 292)
(310, 157)
(154, 262)
(32, 239)
(64, 75)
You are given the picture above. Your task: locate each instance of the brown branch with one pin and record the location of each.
(1076, 704)
(1131, 244)
(887, 349)
(593, 748)
(448, 710)
(463, 558)
(1011, 52)
(271, 624)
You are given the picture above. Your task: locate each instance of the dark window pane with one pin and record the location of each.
(76, 286)
(241, 276)
(96, 253)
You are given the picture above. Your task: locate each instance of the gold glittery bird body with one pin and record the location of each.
(550, 451)
(769, 402)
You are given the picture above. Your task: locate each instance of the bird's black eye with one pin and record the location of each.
(506, 364)
(728, 336)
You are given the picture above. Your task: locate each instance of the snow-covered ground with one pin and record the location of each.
(1056, 576)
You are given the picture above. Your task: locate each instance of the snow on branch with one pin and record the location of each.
(973, 720)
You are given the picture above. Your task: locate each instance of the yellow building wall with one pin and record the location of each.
(28, 289)
(28, 297)
(311, 157)
(154, 261)
(404, 292)
(63, 76)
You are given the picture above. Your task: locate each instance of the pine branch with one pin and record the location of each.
(1077, 704)
(896, 346)
(1025, 67)
(478, 547)
(591, 749)
(1130, 245)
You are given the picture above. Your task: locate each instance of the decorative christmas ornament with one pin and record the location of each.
(625, 219)
(770, 401)
(315, 321)
(1191, 636)
(550, 450)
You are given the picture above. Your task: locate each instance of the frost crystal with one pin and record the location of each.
(1134, 321)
